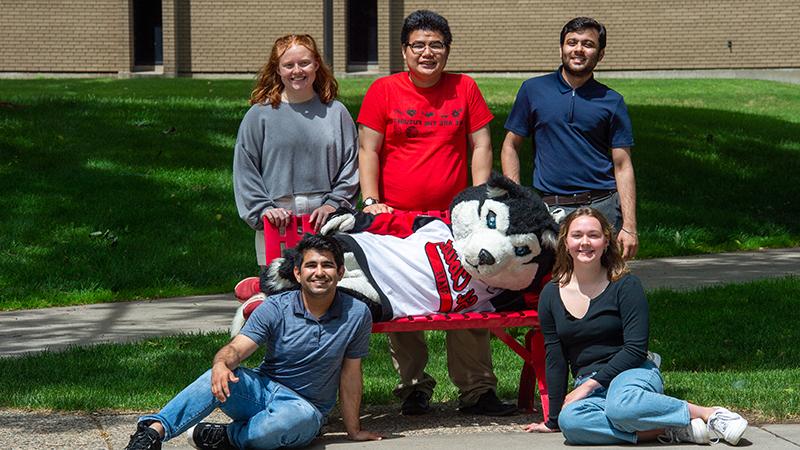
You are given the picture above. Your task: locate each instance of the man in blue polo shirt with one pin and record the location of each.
(314, 338)
(581, 133)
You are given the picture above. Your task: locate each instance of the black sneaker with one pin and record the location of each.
(209, 436)
(145, 438)
(489, 405)
(417, 403)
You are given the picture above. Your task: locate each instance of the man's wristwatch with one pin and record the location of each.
(369, 201)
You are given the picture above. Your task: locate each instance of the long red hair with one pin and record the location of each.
(269, 85)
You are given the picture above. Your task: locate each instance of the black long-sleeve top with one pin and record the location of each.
(611, 338)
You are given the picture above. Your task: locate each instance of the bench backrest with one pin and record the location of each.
(276, 239)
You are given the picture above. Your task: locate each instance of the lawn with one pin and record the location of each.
(733, 345)
(120, 189)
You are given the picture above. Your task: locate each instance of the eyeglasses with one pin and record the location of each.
(418, 47)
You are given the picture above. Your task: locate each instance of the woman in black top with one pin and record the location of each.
(594, 317)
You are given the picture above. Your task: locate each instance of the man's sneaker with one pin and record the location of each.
(489, 405)
(247, 288)
(727, 424)
(145, 438)
(209, 436)
(696, 432)
(417, 403)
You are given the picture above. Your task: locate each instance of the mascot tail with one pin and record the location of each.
(280, 273)
(279, 278)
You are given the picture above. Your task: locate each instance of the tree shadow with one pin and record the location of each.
(720, 177)
(736, 328)
(118, 195)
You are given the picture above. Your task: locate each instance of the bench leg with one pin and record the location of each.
(536, 347)
(527, 379)
(532, 374)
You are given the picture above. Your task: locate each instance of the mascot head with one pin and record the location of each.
(503, 233)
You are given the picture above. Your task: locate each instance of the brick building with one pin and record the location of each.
(234, 36)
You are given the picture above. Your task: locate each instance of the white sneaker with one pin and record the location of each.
(655, 358)
(727, 424)
(696, 432)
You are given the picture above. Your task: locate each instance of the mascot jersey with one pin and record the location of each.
(420, 272)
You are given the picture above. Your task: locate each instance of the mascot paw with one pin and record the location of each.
(341, 223)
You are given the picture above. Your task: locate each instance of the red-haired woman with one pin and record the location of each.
(297, 147)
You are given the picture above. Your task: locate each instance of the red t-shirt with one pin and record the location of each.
(423, 159)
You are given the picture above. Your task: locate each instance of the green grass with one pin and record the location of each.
(120, 189)
(732, 345)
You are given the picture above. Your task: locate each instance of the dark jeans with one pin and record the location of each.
(608, 206)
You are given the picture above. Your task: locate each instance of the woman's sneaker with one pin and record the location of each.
(727, 425)
(209, 436)
(696, 432)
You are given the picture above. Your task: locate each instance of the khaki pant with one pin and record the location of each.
(469, 363)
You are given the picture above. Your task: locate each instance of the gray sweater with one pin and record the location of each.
(296, 148)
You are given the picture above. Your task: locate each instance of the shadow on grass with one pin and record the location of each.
(748, 327)
(721, 178)
(120, 189)
(707, 180)
(119, 197)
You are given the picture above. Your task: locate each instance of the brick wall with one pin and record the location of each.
(64, 36)
(234, 36)
(237, 35)
(522, 35)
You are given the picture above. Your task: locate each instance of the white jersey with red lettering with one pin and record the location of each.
(421, 273)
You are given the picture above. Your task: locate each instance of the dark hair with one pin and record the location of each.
(426, 20)
(319, 243)
(269, 85)
(582, 23)
(611, 258)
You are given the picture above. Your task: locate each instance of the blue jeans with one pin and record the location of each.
(265, 414)
(634, 401)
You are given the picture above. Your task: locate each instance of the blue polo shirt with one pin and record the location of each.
(573, 132)
(306, 354)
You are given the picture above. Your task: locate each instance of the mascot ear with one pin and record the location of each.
(495, 192)
(549, 239)
(499, 186)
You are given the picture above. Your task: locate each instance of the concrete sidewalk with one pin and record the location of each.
(42, 430)
(56, 328)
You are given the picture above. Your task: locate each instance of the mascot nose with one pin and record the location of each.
(485, 258)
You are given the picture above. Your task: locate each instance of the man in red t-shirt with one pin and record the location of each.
(415, 131)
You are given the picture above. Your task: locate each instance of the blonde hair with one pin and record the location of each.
(611, 258)
(269, 85)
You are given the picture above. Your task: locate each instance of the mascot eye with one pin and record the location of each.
(522, 251)
(491, 220)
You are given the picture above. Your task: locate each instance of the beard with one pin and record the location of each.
(587, 69)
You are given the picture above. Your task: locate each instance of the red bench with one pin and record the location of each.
(531, 350)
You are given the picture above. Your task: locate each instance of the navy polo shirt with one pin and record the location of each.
(573, 132)
(306, 354)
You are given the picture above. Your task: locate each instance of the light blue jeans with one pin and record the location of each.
(265, 414)
(634, 401)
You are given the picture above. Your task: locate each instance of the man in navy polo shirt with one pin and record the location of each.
(581, 133)
(314, 338)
